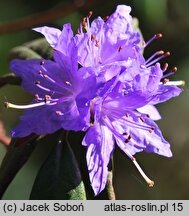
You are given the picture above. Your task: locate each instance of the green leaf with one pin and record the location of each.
(34, 49)
(10, 79)
(22, 52)
(59, 176)
(41, 47)
(17, 154)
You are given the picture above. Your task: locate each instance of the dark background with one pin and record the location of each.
(171, 18)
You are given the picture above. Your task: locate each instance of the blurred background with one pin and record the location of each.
(171, 175)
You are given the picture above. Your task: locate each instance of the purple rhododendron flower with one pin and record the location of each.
(100, 45)
(116, 120)
(61, 93)
(111, 97)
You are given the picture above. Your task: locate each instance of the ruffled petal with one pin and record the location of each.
(100, 147)
(164, 93)
(37, 120)
(144, 134)
(51, 34)
(151, 111)
(50, 76)
(65, 39)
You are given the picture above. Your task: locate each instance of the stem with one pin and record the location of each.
(9, 79)
(46, 16)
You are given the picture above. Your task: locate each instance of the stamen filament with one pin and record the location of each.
(161, 52)
(157, 59)
(10, 105)
(169, 74)
(157, 36)
(176, 83)
(149, 181)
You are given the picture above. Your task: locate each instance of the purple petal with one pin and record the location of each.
(51, 34)
(37, 120)
(164, 93)
(145, 135)
(100, 147)
(151, 111)
(65, 39)
(29, 71)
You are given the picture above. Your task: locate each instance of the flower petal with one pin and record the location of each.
(145, 135)
(37, 120)
(164, 93)
(51, 34)
(100, 147)
(151, 111)
(31, 71)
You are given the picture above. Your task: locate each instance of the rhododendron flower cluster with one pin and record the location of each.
(99, 82)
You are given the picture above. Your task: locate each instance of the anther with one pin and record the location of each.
(45, 76)
(147, 115)
(161, 52)
(153, 127)
(129, 137)
(165, 67)
(36, 96)
(90, 14)
(40, 71)
(42, 62)
(125, 133)
(167, 54)
(142, 119)
(106, 18)
(37, 82)
(174, 70)
(165, 81)
(92, 37)
(120, 48)
(47, 98)
(157, 36)
(68, 83)
(127, 115)
(96, 43)
(58, 113)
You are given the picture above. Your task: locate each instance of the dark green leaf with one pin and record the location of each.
(18, 153)
(59, 176)
(23, 52)
(10, 79)
(41, 47)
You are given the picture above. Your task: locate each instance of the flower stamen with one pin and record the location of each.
(161, 52)
(149, 181)
(157, 59)
(14, 106)
(155, 37)
(175, 83)
(173, 71)
(106, 18)
(120, 48)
